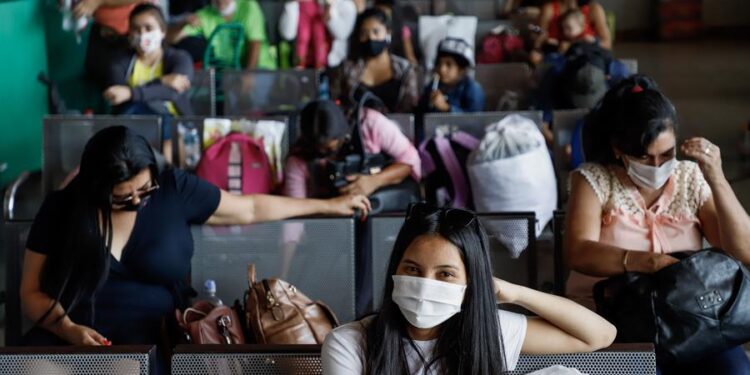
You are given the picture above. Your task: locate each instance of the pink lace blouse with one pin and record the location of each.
(670, 224)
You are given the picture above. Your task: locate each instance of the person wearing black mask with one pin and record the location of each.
(371, 67)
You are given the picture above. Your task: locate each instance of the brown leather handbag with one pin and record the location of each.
(277, 313)
(204, 323)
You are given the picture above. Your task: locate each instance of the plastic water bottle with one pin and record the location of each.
(192, 147)
(211, 297)
(69, 22)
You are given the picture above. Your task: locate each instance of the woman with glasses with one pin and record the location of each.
(107, 257)
(633, 202)
(440, 315)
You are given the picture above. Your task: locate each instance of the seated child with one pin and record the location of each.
(573, 26)
(452, 89)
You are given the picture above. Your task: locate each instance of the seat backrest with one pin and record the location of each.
(618, 359)
(203, 92)
(65, 136)
(504, 230)
(83, 360)
(14, 235)
(482, 9)
(472, 123)
(502, 79)
(405, 122)
(560, 269)
(315, 255)
(263, 92)
(565, 122)
(247, 359)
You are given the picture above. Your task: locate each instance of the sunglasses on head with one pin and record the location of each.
(141, 195)
(455, 217)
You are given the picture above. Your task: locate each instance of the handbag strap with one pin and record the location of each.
(194, 311)
(250, 275)
(455, 172)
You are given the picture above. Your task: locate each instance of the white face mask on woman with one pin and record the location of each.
(649, 177)
(228, 10)
(148, 42)
(426, 303)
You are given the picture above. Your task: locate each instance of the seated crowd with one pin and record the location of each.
(108, 256)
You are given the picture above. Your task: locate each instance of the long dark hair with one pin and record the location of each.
(355, 45)
(74, 274)
(630, 117)
(320, 122)
(470, 342)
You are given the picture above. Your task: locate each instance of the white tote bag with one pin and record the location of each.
(433, 29)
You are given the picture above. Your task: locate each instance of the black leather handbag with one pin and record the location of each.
(691, 309)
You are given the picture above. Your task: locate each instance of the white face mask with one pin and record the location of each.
(228, 10)
(426, 303)
(649, 177)
(148, 42)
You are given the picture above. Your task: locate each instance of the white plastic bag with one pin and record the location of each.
(512, 171)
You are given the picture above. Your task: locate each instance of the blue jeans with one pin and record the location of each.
(142, 108)
(730, 362)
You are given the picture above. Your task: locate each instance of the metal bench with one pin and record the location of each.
(65, 136)
(619, 359)
(81, 360)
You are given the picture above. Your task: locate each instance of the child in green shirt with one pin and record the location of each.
(256, 53)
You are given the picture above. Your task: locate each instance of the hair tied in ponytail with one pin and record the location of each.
(636, 89)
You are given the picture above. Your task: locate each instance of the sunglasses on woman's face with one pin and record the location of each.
(145, 193)
(456, 217)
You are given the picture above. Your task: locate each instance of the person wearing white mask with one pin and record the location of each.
(152, 79)
(633, 202)
(439, 313)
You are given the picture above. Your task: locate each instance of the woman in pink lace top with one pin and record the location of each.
(634, 202)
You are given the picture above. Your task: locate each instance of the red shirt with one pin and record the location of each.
(115, 18)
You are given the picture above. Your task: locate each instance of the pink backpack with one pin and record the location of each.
(444, 169)
(499, 48)
(237, 163)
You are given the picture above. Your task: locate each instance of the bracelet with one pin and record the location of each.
(625, 260)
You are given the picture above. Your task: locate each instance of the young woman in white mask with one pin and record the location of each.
(151, 79)
(440, 315)
(633, 202)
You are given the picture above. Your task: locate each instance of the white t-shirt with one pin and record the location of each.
(342, 352)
